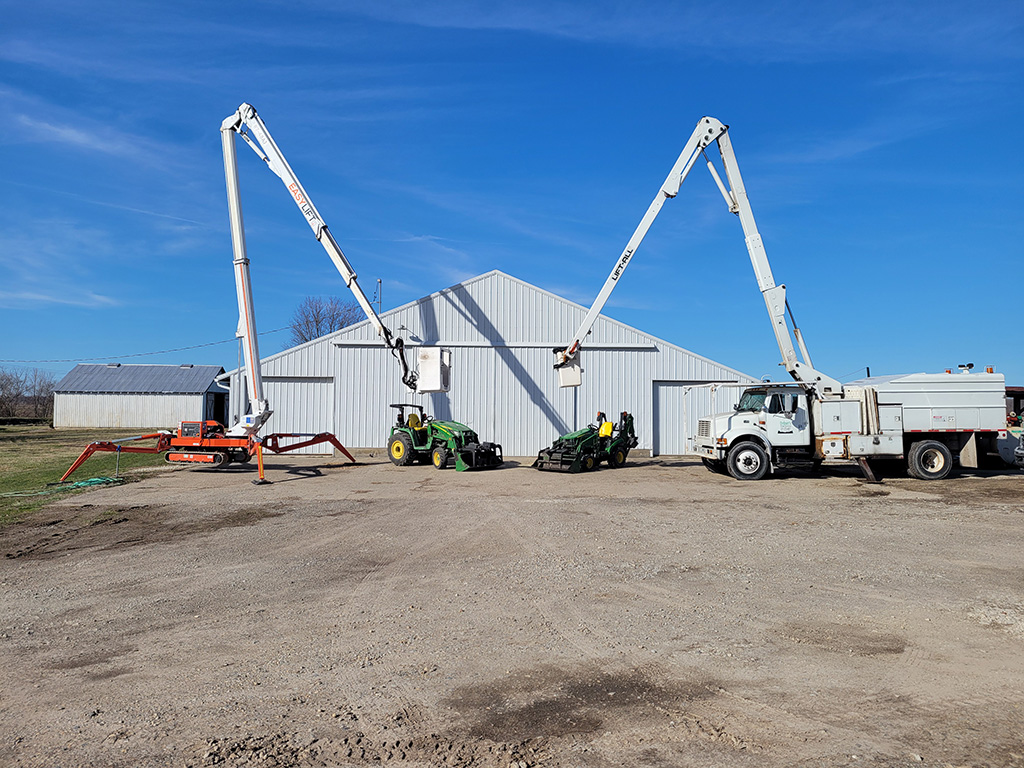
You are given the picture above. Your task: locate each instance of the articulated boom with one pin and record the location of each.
(244, 122)
(708, 130)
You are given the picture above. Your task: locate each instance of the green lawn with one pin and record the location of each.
(33, 456)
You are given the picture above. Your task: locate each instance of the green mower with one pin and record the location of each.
(585, 449)
(419, 438)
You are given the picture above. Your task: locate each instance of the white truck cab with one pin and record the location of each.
(774, 420)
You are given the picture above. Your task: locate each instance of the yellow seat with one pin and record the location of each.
(606, 429)
(413, 421)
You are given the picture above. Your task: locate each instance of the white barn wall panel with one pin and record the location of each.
(501, 332)
(303, 405)
(129, 412)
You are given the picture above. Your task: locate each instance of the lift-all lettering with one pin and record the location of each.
(622, 263)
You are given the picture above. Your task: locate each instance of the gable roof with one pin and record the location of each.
(139, 379)
(560, 318)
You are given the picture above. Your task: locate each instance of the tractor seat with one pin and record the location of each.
(414, 423)
(606, 429)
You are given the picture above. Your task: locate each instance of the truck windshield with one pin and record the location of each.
(751, 401)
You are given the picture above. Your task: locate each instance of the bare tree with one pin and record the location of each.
(12, 389)
(39, 386)
(317, 316)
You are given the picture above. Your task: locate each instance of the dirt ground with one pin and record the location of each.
(657, 615)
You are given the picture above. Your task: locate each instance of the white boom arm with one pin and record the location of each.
(707, 130)
(774, 295)
(259, 406)
(710, 130)
(244, 122)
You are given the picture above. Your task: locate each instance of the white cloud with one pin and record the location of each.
(25, 299)
(112, 143)
(787, 30)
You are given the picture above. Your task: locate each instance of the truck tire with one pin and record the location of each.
(440, 457)
(929, 460)
(747, 461)
(400, 449)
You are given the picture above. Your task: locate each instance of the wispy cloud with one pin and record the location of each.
(112, 143)
(24, 299)
(54, 262)
(867, 137)
(787, 30)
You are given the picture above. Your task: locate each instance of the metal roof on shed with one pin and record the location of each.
(139, 379)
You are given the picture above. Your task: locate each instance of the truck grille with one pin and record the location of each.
(704, 428)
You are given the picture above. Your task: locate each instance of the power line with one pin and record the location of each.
(144, 354)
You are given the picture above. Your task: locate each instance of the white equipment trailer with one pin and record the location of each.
(922, 419)
(434, 364)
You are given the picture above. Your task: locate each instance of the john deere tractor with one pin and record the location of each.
(419, 438)
(585, 449)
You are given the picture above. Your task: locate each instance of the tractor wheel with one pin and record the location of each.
(747, 461)
(400, 449)
(929, 460)
(617, 458)
(587, 463)
(440, 457)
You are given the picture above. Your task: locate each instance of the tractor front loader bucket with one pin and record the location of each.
(570, 453)
(559, 459)
(478, 456)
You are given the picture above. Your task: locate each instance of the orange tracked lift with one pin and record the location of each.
(206, 444)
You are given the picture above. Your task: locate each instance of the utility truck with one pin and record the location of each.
(923, 420)
(926, 421)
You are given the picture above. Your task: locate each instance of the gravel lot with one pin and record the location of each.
(657, 615)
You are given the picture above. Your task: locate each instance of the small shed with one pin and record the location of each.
(144, 396)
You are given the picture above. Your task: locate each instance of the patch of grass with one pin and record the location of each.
(33, 456)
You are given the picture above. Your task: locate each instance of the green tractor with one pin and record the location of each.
(585, 449)
(419, 438)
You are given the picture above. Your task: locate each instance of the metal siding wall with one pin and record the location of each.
(301, 405)
(508, 394)
(126, 411)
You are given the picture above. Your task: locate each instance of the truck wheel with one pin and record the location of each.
(747, 461)
(440, 457)
(929, 460)
(400, 449)
(617, 458)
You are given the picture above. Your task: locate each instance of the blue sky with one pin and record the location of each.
(880, 143)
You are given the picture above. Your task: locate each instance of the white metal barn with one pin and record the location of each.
(144, 396)
(501, 332)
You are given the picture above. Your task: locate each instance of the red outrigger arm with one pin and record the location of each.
(166, 441)
(163, 442)
(273, 442)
